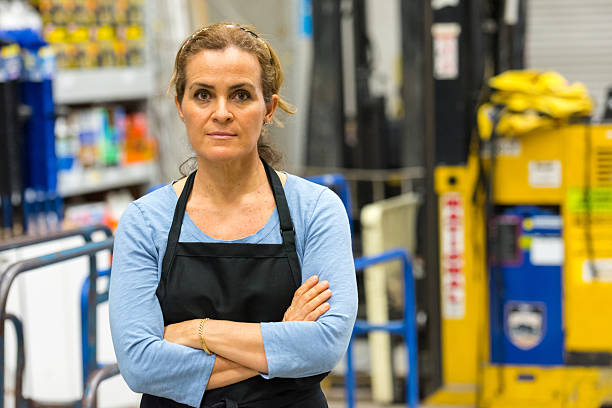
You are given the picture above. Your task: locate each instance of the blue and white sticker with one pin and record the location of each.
(525, 323)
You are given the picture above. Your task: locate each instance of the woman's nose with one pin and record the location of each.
(222, 113)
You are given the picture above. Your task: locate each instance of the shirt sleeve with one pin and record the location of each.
(300, 349)
(148, 363)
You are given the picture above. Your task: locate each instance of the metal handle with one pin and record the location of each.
(90, 396)
(8, 277)
(19, 400)
(85, 232)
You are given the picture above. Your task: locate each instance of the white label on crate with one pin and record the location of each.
(446, 50)
(598, 269)
(509, 147)
(545, 173)
(452, 256)
(546, 222)
(547, 251)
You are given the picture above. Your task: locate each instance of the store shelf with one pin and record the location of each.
(75, 86)
(72, 183)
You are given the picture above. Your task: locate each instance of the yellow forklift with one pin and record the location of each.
(525, 253)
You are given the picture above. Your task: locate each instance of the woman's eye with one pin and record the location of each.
(242, 95)
(202, 95)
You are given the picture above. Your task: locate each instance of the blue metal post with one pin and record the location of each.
(405, 327)
(349, 379)
(86, 351)
(410, 336)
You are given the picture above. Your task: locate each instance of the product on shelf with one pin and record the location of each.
(105, 212)
(64, 50)
(94, 33)
(102, 137)
(138, 146)
(105, 37)
(29, 196)
(84, 13)
(134, 45)
(84, 52)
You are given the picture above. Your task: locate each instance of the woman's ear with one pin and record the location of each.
(270, 108)
(178, 108)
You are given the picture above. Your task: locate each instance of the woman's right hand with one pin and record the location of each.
(309, 301)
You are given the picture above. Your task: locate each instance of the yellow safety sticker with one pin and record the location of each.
(597, 200)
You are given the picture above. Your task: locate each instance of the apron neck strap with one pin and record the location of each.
(286, 225)
(177, 222)
(282, 207)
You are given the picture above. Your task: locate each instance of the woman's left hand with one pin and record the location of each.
(309, 301)
(184, 333)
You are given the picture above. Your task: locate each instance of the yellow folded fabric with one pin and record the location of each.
(527, 100)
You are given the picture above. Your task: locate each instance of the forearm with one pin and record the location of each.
(301, 349)
(238, 342)
(226, 372)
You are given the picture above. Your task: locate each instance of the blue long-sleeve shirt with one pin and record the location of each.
(149, 364)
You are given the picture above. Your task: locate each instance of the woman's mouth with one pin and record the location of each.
(220, 135)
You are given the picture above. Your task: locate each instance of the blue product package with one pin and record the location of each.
(39, 165)
(10, 131)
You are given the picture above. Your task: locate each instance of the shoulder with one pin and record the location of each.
(152, 209)
(302, 194)
(161, 198)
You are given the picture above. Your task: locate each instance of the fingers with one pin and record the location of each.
(318, 300)
(310, 282)
(313, 292)
(315, 303)
(315, 314)
(309, 301)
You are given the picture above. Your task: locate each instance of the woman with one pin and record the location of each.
(221, 290)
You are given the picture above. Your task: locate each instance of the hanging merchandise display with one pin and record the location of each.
(41, 167)
(30, 181)
(10, 135)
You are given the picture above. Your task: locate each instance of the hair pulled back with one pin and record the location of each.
(220, 36)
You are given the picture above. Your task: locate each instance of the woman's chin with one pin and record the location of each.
(224, 155)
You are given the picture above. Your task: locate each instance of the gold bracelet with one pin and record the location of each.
(206, 350)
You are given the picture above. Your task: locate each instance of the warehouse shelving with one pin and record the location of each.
(76, 86)
(76, 182)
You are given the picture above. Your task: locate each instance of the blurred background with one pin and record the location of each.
(469, 141)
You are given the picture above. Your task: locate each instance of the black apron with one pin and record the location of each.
(238, 282)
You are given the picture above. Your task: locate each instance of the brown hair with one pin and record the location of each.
(223, 35)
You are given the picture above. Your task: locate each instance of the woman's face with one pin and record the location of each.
(223, 105)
